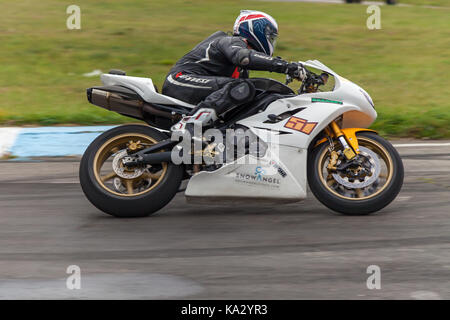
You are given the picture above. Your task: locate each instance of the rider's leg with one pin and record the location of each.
(232, 94)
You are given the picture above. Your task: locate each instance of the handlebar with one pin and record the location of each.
(311, 82)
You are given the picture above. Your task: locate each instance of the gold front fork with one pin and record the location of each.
(349, 153)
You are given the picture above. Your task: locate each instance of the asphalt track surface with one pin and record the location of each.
(219, 251)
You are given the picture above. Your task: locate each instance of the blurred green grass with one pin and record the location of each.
(442, 3)
(404, 66)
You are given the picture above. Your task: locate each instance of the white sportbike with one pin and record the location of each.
(317, 137)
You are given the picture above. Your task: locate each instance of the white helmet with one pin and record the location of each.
(259, 28)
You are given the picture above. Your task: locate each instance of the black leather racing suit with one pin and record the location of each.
(217, 64)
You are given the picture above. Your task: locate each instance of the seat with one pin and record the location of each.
(144, 87)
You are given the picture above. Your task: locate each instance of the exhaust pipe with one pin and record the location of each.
(123, 101)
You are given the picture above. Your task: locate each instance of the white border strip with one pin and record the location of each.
(7, 138)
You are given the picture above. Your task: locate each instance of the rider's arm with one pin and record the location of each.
(236, 51)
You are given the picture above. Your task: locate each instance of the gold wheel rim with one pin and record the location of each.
(379, 150)
(111, 147)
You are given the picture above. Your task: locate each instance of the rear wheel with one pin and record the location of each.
(359, 187)
(122, 191)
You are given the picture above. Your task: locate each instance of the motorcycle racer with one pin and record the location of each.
(214, 75)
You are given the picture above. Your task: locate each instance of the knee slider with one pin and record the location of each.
(241, 91)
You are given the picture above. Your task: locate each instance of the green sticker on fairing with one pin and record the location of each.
(325, 100)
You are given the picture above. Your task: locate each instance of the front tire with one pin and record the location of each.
(335, 191)
(127, 194)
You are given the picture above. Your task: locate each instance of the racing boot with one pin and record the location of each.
(200, 116)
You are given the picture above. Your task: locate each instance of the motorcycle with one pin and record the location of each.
(319, 134)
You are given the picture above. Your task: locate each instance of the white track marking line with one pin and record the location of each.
(7, 138)
(425, 295)
(413, 145)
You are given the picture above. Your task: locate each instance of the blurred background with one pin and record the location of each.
(46, 67)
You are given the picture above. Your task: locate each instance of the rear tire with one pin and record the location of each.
(128, 205)
(355, 206)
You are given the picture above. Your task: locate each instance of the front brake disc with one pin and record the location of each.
(375, 169)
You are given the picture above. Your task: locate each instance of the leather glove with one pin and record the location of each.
(296, 71)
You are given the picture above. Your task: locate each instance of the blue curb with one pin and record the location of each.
(55, 141)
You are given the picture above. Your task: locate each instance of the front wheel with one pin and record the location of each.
(361, 186)
(121, 191)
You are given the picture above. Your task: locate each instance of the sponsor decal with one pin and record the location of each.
(279, 169)
(258, 178)
(263, 57)
(325, 100)
(259, 171)
(191, 79)
(301, 125)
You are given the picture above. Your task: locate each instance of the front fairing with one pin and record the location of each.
(344, 90)
(317, 110)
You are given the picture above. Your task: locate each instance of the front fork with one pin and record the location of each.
(349, 151)
(346, 137)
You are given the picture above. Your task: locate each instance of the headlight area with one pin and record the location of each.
(368, 98)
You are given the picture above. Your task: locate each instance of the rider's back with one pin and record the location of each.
(207, 58)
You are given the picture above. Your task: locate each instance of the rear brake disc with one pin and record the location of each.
(121, 170)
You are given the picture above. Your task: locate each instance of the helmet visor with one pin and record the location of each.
(272, 39)
(271, 35)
